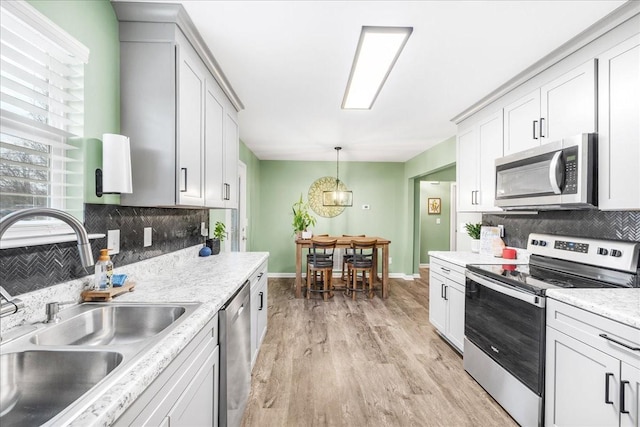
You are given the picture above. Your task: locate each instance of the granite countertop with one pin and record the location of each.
(619, 304)
(177, 277)
(463, 259)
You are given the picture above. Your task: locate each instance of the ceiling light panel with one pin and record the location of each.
(377, 52)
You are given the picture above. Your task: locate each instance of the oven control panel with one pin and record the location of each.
(613, 254)
(571, 246)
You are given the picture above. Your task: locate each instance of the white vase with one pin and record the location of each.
(307, 234)
(475, 245)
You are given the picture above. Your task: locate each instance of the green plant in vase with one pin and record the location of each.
(219, 234)
(302, 219)
(473, 230)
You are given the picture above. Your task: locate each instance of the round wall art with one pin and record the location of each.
(320, 185)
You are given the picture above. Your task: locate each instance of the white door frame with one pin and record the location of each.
(453, 216)
(242, 208)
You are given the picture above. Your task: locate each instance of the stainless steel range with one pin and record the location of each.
(505, 312)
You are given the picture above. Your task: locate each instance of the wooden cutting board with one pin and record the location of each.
(107, 295)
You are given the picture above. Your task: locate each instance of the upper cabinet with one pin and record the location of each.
(477, 149)
(619, 126)
(178, 109)
(563, 107)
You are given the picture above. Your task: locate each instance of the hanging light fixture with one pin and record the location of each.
(340, 196)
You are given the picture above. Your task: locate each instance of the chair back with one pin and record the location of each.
(321, 253)
(349, 251)
(363, 251)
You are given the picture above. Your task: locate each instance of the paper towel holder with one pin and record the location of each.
(115, 175)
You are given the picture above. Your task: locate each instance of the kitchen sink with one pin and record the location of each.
(111, 325)
(36, 385)
(49, 371)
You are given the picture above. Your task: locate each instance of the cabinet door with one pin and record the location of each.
(619, 126)
(261, 327)
(437, 303)
(455, 314)
(198, 405)
(577, 376)
(190, 100)
(522, 124)
(231, 146)
(214, 140)
(490, 148)
(568, 104)
(467, 170)
(631, 396)
(255, 303)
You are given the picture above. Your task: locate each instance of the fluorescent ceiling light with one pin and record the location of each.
(377, 52)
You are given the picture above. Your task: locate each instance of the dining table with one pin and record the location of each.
(345, 242)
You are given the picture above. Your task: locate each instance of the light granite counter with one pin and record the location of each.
(619, 304)
(465, 258)
(181, 276)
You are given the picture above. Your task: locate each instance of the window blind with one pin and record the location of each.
(41, 112)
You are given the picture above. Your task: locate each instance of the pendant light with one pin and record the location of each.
(339, 196)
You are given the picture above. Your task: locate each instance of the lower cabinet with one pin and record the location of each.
(590, 380)
(259, 293)
(186, 393)
(446, 300)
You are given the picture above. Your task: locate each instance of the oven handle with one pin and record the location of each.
(522, 296)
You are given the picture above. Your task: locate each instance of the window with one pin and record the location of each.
(41, 117)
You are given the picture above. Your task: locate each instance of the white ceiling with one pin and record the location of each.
(289, 62)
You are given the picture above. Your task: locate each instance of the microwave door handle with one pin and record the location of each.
(553, 173)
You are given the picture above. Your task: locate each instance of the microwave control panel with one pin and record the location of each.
(570, 171)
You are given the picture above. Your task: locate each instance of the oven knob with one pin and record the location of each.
(534, 242)
(602, 251)
(616, 253)
(543, 243)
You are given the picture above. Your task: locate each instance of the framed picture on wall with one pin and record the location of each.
(434, 205)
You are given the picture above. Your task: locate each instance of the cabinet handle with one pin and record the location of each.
(541, 126)
(442, 290)
(446, 270)
(535, 125)
(606, 337)
(606, 388)
(261, 301)
(185, 180)
(622, 409)
(445, 293)
(260, 276)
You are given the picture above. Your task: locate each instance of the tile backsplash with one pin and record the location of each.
(37, 267)
(614, 225)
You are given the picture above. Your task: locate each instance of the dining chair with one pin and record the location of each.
(309, 250)
(320, 260)
(361, 262)
(348, 252)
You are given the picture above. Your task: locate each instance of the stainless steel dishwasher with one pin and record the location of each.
(235, 357)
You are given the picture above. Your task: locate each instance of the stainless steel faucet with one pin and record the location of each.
(84, 247)
(10, 305)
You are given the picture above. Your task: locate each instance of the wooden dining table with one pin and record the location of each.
(345, 242)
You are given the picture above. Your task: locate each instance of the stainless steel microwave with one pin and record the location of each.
(557, 175)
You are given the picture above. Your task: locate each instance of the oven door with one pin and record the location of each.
(508, 325)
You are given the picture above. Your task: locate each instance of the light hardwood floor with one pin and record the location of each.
(362, 363)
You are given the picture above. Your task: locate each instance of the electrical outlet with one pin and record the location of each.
(437, 220)
(501, 227)
(390, 261)
(147, 236)
(113, 241)
(203, 229)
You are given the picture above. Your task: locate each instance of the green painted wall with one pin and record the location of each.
(282, 182)
(434, 235)
(435, 159)
(94, 24)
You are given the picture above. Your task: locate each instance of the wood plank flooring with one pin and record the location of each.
(362, 363)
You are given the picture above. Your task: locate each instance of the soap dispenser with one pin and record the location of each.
(104, 271)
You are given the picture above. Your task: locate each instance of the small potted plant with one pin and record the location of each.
(302, 219)
(473, 230)
(219, 234)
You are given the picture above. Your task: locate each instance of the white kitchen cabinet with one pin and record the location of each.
(186, 392)
(619, 126)
(478, 148)
(446, 300)
(259, 295)
(181, 123)
(585, 371)
(561, 108)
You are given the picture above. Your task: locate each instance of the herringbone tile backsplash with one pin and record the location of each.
(594, 224)
(37, 267)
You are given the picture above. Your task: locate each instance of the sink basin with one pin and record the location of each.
(110, 325)
(36, 385)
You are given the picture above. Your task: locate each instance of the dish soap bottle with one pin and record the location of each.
(104, 271)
